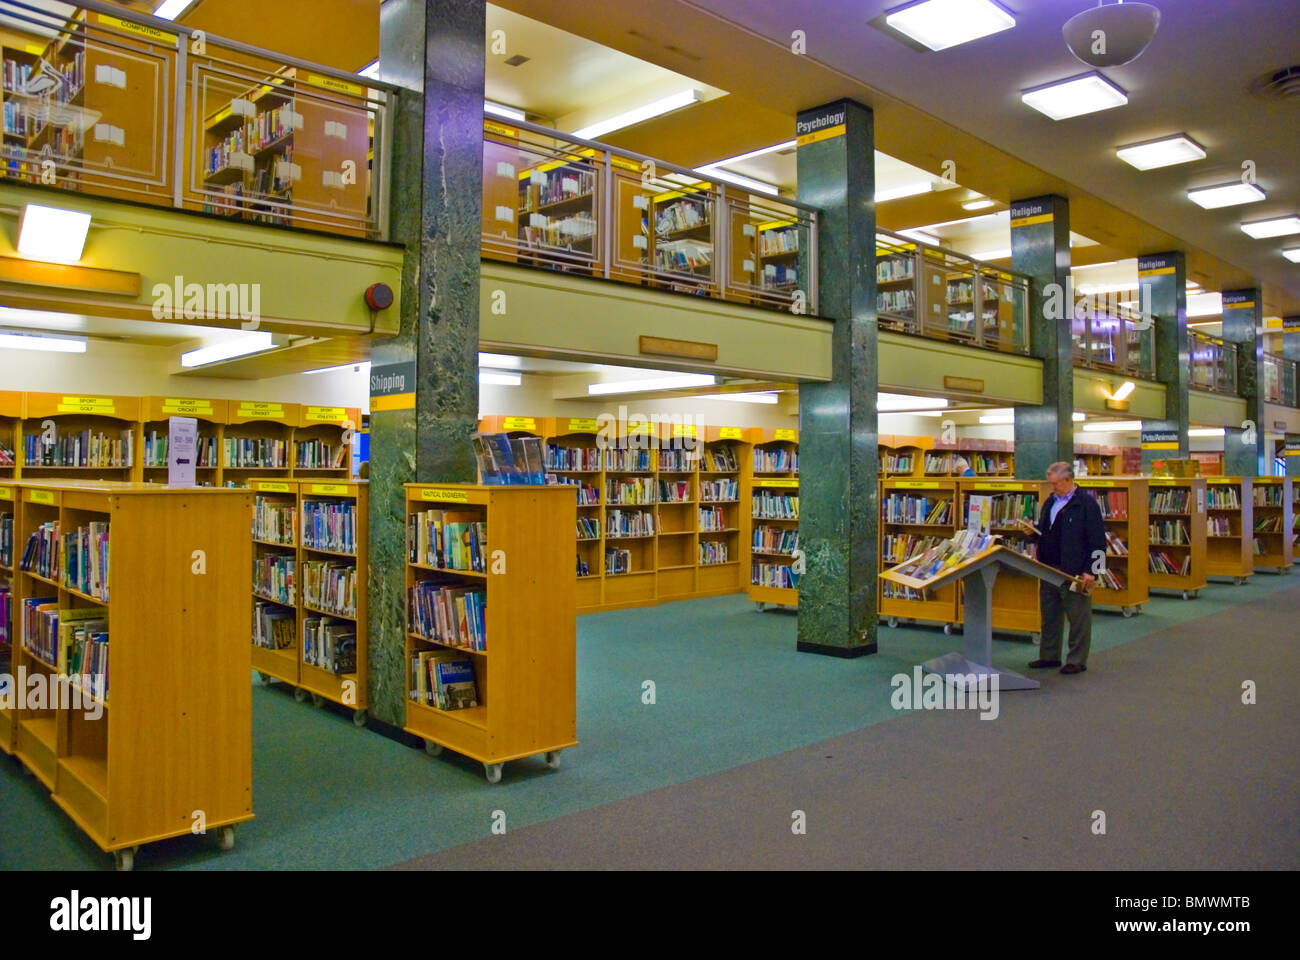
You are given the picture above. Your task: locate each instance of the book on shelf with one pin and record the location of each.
(1170, 501)
(937, 560)
(449, 613)
(443, 680)
(911, 508)
(629, 523)
(1113, 503)
(719, 491)
(155, 450)
(627, 460)
(587, 495)
(896, 463)
(85, 559)
(448, 540)
(677, 460)
(255, 452)
(329, 525)
(41, 554)
(618, 561)
(1219, 527)
(674, 491)
(503, 459)
(40, 624)
(6, 612)
(775, 540)
(273, 626)
(1268, 524)
(685, 214)
(720, 458)
(275, 576)
(1110, 579)
(1169, 533)
(6, 540)
(896, 548)
(274, 521)
(631, 491)
(1268, 495)
(712, 519)
(775, 460)
(583, 570)
(1115, 546)
(330, 644)
(320, 455)
(1221, 496)
(1161, 562)
(781, 576)
(775, 506)
(561, 458)
(588, 528)
(84, 448)
(330, 585)
(713, 552)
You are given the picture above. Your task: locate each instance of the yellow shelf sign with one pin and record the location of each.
(1088, 481)
(780, 483)
(250, 408)
(102, 406)
(730, 433)
(442, 493)
(327, 414)
(785, 435)
(139, 29)
(683, 429)
(6, 493)
(331, 489)
(187, 407)
(521, 423)
(583, 425)
(271, 486)
(40, 496)
(1003, 485)
(915, 484)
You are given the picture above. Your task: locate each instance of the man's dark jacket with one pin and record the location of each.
(1069, 543)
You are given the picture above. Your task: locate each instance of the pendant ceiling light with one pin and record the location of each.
(1112, 34)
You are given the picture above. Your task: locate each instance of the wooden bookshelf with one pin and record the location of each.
(525, 675)
(1016, 608)
(322, 441)
(1273, 523)
(177, 583)
(272, 549)
(1230, 518)
(903, 456)
(677, 512)
(896, 287)
(108, 421)
(572, 455)
(151, 439)
(683, 237)
(11, 415)
(721, 470)
(630, 465)
(773, 471)
(9, 504)
(1295, 521)
(269, 424)
(908, 509)
(1176, 512)
(1096, 460)
(1132, 531)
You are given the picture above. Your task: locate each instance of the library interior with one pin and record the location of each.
(877, 341)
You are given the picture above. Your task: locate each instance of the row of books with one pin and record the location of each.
(773, 575)
(1268, 524)
(685, 214)
(617, 561)
(330, 585)
(6, 611)
(503, 459)
(774, 540)
(674, 491)
(932, 562)
(572, 458)
(628, 461)
(1219, 527)
(1177, 500)
(1268, 495)
(6, 540)
(897, 463)
(895, 548)
(775, 506)
(330, 525)
(779, 276)
(912, 508)
(896, 301)
(894, 268)
(448, 540)
(719, 491)
(720, 459)
(40, 627)
(449, 613)
(896, 591)
(1161, 562)
(677, 460)
(683, 257)
(255, 452)
(1222, 497)
(41, 554)
(1113, 503)
(1006, 508)
(772, 242)
(630, 491)
(543, 187)
(983, 463)
(85, 559)
(713, 519)
(274, 520)
(84, 448)
(443, 680)
(6, 455)
(712, 552)
(775, 460)
(273, 626)
(628, 523)
(588, 528)
(558, 231)
(587, 496)
(155, 450)
(1169, 533)
(270, 126)
(318, 455)
(330, 644)
(1110, 579)
(275, 576)
(1115, 546)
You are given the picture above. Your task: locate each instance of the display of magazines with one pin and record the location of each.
(934, 562)
(503, 459)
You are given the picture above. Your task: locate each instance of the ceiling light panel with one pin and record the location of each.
(1273, 227)
(940, 24)
(1165, 152)
(1225, 195)
(1075, 97)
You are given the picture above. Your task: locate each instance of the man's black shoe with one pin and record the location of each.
(1043, 664)
(1070, 668)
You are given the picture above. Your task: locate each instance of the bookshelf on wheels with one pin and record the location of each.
(1229, 520)
(916, 515)
(1177, 544)
(1016, 607)
(1273, 522)
(1124, 584)
(776, 562)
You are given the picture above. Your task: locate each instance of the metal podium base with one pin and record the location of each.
(955, 666)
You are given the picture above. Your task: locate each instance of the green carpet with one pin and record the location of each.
(729, 690)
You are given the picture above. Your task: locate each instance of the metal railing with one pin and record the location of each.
(1279, 380)
(119, 104)
(936, 293)
(1118, 341)
(1213, 363)
(554, 201)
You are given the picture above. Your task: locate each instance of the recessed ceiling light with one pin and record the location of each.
(1113, 426)
(921, 237)
(49, 233)
(17, 340)
(1292, 254)
(741, 397)
(893, 402)
(504, 360)
(677, 381)
(501, 378)
(656, 108)
(1225, 195)
(1204, 304)
(1206, 432)
(940, 24)
(1164, 152)
(1074, 97)
(980, 204)
(749, 183)
(237, 346)
(761, 151)
(360, 366)
(501, 110)
(171, 9)
(1272, 227)
(905, 190)
(1001, 254)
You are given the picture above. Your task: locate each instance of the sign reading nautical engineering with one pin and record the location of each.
(392, 386)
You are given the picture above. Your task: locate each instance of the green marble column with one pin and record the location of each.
(1162, 289)
(1040, 247)
(1243, 447)
(838, 459)
(436, 51)
(1291, 350)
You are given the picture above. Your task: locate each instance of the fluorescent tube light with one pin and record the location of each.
(655, 109)
(921, 236)
(370, 70)
(238, 346)
(501, 378)
(677, 381)
(503, 360)
(1206, 432)
(1164, 152)
(741, 397)
(361, 366)
(1292, 254)
(171, 9)
(1090, 266)
(895, 402)
(53, 343)
(1204, 304)
(1091, 289)
(1075, 97)
(1273, 227)
(1078, 417)
(749, 183)
(993, 254)
(761, 151)
(1113, 426)
(501, 110)
(980, 204)
(940, 24)
(1225, 195)
(997, 419)
(913, 413)
(53, 234)
(1125, 388)
(904, 190)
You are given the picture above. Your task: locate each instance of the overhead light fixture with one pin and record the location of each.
(52, 343)
(1225, 195)
(912, 413)
(1165, 152)
(904, 190)
(237, 346)
(1206, 432)
(741, 397)
(896, 402)
(361, 366)
(677, 381)
(922, 237)
(505, 360)
(656, 108)
(171, 9)
(1272, 227)
(1125, 388)
(749, 183)
(1204, 304)
(1125, 30)
(1292, 254)
(1092, 266)
(501, 110)
(761, 151)
(980, 204)
(501, 378)
(940, 24)
(370, 70)
(52, 234)
(1113, 426)
(1001, 254)
(1092, 289)
(1074, 97)
(999, 418)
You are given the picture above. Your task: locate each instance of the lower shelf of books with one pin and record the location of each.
(902, 603)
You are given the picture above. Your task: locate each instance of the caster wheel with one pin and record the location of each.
(892, 621)
(226, 838)
(947, 629)
(1195, 594)
(300, 695)
(493, 772)
(124, 860)
(317, 701)
(1241, 581)
(432, 749)
(1127, 611)
(359, 718)
(553, 759)
(263, 678)
(1036, 639)
(1187, 595)
(759, 607)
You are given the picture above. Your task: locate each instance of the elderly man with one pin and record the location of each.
(1071, 537)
